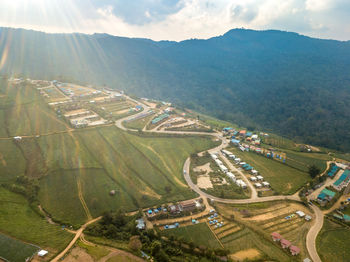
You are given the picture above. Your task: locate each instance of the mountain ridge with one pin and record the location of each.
(284, 82)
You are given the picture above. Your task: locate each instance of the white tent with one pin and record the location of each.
(253, 178)
(42, 253)
(254, 172)
(258, 185)
(260, 178)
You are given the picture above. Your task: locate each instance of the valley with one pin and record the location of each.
(82, 151)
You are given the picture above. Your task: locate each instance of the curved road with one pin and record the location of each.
(318, 222)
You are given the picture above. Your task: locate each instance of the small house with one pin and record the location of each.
(140, 224)
(260, 178)
(300, 213)
(243, 133)
(254, 172)
(188, 205)
(275, 236)
(258, 185)
(266, 184)
(253, 178)
(294, 250)
(285, 243)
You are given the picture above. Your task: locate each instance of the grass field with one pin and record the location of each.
(18, 220)
(199, 234)
(302, 160)
(333, 242)
(282, 178)
(12, 162)
(140, 169)
(14, 250)
(138, 124)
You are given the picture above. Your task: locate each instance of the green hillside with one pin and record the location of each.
(282, 82)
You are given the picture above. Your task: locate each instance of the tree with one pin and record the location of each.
(314, 171)
(135, 243)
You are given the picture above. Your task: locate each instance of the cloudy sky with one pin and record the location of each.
(179, 19)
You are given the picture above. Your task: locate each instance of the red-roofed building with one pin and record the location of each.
(294, 250)
(242, 132)
(285, 243)
(275, 236)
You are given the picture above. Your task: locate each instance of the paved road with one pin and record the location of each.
(318, 222)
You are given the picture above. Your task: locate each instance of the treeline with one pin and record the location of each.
(117, 226)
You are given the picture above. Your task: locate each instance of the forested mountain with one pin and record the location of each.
(284, 82)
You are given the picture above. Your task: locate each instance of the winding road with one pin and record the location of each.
(319, 216)
(311, 236)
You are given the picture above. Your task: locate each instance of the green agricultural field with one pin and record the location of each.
(17, 219)
(12, 162)
(58, 195)
(14, 250)
(333, 242)
(143, 171)
(302, 160)
(199, 234)
(138, 124)
(282, 178)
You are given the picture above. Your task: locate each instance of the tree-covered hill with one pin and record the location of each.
(284, 82)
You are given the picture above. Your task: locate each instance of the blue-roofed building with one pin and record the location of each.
(235, 133)
(325, 195)
(235, 142)
(343, 181)
(249, 134)
(227, 129)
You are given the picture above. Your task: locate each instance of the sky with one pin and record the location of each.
(178, 19)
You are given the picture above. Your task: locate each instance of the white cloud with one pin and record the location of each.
(181, 19)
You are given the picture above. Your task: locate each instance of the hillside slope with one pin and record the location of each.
(284, 82)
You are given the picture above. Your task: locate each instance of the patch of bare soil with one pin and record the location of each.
(246, 254)
(78, 255)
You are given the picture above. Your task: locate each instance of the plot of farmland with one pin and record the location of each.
(14, 250)
(282, 178)
(199, 234)
(54, 94)
(12, 162)
(18, 219)
(333, 242)
(139, 169)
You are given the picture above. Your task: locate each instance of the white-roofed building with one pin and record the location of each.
(253, 178)
(260, 178)
(300, 213)
(266, 184)
(223, 168)
(258, 185)
(42, 253)
(254, 172)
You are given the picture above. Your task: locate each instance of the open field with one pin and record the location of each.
(54, 94)
(142, 170)
(282, 178)
(302, 160)
(14, 250)
(18, 220)
(138, 124)
(333, 242)
(12, 162)
(200, 234)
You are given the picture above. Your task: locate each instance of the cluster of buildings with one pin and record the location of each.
(159, 118)
(325, 196)
(343, 181)
(224, 169)
(242, 135)
(254, 178)
(174, 209)
(83, 118)
(285, 244)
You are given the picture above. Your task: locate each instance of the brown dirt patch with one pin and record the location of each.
(203, 181)
(78, 255)
(246, 254)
